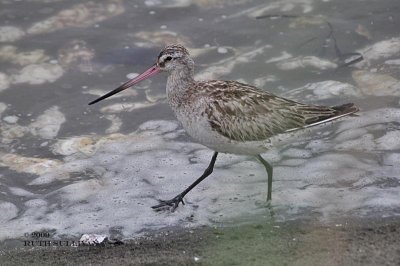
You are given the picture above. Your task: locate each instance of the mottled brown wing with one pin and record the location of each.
(244, 113)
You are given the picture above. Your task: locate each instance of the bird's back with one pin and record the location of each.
(242, 112)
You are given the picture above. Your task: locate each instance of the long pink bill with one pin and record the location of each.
(147, 74)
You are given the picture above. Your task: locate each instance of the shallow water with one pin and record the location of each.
(69, 168)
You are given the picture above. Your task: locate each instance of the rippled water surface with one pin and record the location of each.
(70, 168)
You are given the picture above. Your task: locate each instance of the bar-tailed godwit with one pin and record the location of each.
(229, 116)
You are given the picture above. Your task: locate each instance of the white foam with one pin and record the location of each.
(284, 55)
(372, 117)
(305, 62)
(10, 53)
(48, 124)
(20, 192)
(359, 133)
(350, 134)
(391, 159)
(393, 62)
(222, 50)
(10, 34)
(126, 93)
(380, 50)
(159, 126)
(34, 204)
(118, 177)
(29, 165)
(261, 81)
(327, 169)
(390, 141)
(115, 125)
(11, 119)
(38, 74)
(364, 142)
(3, 107)
(80, 191)
(10, 132)
(324, 90)
(330, 88)
(154, 96)
(376, 84)
(305, 6)
(297, 153)
(78, 15)
(225, 66)
(124, 107)
(168, 3)
(94, 183)
(132, 75)
(4, 81)
(8, 211)
(84, 144)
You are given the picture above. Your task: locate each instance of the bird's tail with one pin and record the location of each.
(345, 109)
(327, 114)
(314, 115)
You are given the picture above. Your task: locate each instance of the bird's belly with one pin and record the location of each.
(200, 130)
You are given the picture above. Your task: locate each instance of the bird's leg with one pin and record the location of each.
(268, 167)
(179, 198)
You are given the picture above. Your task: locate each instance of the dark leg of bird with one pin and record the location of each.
(179, 198)
(268, 167)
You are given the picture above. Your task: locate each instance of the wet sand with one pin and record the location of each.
(368, 242)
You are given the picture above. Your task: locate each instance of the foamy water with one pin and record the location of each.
(72, 169)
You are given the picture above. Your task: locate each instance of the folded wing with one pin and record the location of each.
(244, 113)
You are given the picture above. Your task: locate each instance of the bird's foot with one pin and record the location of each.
(171, 204)
(268, 203)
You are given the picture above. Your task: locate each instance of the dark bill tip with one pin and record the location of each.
(148, 73)
(111, 93)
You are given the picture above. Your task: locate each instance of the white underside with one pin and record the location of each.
(200, 130)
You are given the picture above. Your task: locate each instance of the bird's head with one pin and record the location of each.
(172, 58)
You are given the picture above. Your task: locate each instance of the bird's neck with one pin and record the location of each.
(178, 84)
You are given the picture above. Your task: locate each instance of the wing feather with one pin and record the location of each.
(244, 113)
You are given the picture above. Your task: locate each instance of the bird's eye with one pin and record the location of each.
(168, 58)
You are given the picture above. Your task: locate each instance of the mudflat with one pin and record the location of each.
(368, 242)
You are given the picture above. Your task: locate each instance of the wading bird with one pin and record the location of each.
(229, 116)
